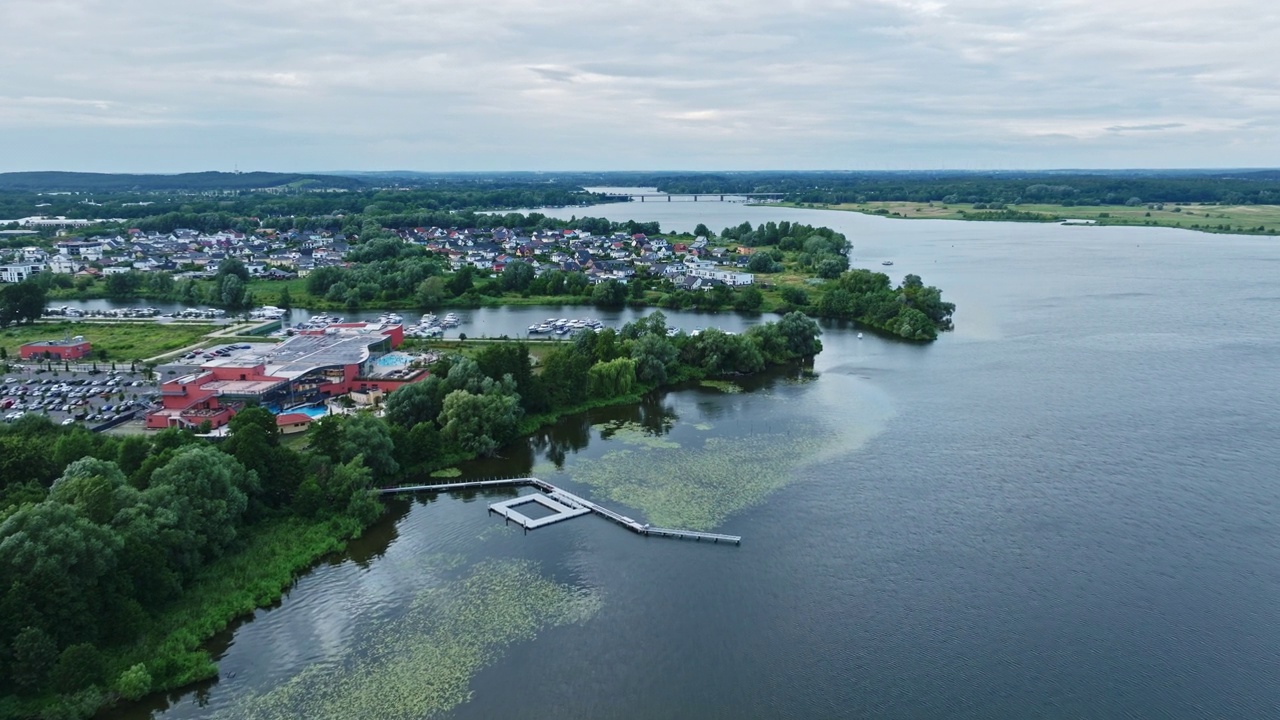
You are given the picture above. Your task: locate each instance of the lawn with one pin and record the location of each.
(1249, 219)
(121, 340)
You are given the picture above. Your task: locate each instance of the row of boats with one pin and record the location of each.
(430, 326)
(564, 326)
(135, 312)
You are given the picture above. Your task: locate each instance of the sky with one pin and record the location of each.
(476, 85)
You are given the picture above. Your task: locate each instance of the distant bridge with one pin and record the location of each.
(709, 197)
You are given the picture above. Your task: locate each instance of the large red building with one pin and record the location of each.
(73, 349)
(305, 369)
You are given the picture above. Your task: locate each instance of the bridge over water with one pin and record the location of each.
(708, 197)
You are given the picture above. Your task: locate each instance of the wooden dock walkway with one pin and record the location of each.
(565, 505)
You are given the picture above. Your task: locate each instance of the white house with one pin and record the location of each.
(63, 265)
(725, 276)
(18, 272)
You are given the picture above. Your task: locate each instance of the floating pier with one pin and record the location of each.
(507, 509)
(562, 503)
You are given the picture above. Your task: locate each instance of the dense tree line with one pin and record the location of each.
(53, 181)
(98, 534)
(1003, 188)
(449, 205)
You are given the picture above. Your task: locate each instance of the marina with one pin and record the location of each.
(564, 326)
(563, 504)
(135, 313)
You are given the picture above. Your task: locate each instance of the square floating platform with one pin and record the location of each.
(507, 509)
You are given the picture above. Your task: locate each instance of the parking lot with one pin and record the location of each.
(66, 396)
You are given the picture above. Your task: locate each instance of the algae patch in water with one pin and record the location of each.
(634, 434)
(698, 487)
(420, 664)
(449, 472)
(723, 386)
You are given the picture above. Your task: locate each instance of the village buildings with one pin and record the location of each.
(295, 253)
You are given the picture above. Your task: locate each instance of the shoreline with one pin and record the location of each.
(1211, 219)
(282, 552)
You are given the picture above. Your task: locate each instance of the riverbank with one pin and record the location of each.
(171, 650)
(1227, 219)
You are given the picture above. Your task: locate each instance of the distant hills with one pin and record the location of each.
(52, 181)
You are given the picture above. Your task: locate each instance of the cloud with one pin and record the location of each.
(1150, 127)
(490, 84)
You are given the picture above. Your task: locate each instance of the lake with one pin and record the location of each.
(1066, 508)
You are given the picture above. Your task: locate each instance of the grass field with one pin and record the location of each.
(1240, 219)
(122, 341)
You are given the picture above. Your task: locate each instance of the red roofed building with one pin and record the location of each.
(73, 349)
(307, 368)
(295, 422)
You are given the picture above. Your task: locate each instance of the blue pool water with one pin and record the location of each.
(314, 411)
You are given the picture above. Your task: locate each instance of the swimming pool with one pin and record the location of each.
(393, 360)
(314, 411)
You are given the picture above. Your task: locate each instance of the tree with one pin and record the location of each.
(830, 267)
(131, 453)
(22, 303)
(286, 299)
(122, 284)
(800, 334)
(609, 293)
(369, 437)
(415, 403)
(762, 262)
(34, 654)
(564, 375)
(517, 276)
(653, 355)
(703, 231)
(462, 280)
(479, 424)
(95, 488)
(255, 443)
(58, 565)
(232, 267)
(431, 291)
(794, 295)
(748, 298)
(207, 493)
(72, 446)
(134, 682)
(231, 291)
(615, 378)
(79, 666)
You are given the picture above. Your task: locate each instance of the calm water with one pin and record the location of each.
(1067, 508)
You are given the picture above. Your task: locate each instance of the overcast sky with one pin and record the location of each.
(295, 85)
